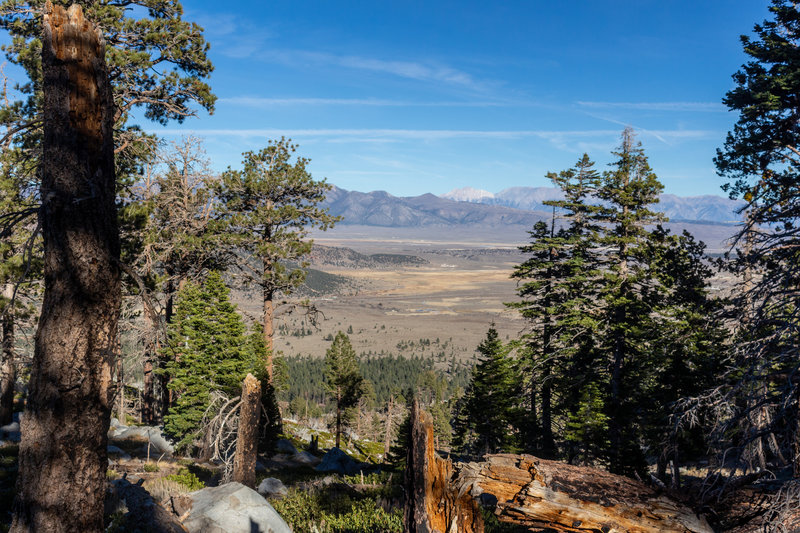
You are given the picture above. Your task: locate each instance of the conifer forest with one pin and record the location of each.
(189, 345)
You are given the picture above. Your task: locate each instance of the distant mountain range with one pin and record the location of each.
(380, 208)
(514, 206)
(708, 208)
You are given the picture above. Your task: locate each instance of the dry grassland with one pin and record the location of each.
(450, 301)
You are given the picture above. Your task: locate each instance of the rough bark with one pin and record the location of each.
(269, 329)
(120, 387)
(244, 461)
(148, 396)
(433, 505)
(62, 460)
(387, 439)
(338, 417)
(538, 493)
(8, 367)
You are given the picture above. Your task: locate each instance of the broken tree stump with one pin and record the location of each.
(432, 506)
(244, 462)
(531, 492)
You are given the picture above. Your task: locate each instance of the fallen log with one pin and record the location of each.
(535, 493)
(538, 493)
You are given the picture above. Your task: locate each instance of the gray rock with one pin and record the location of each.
(232, 508)
(339, 462)
(285, 446)
(272, 487)
(119, 452)
(306, 458)
(13, 427)
(158, 441)
(11, 432)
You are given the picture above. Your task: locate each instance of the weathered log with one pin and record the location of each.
(244, 461)
(538, 493)
(531, 492)
(432, 505)
(62, 457)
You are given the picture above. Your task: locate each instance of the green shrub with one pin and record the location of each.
(187, 479)
(331, 512)
(366, 516)
(151, 467)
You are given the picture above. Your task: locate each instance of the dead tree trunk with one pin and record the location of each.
(387, 439)
(244, 462)
(432, 506)
(8, 367)
(531, 492)
(62, 459)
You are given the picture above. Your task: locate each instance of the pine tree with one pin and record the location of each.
(627, 295)
(557, 287)
(177, 239)
(488, 407)
(343, 380)
(269, 207)
(689, 344)
(761, 160)
(208, 352)
(156, 60)
(617, 312)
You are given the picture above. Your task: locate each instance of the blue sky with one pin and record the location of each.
(413, 97)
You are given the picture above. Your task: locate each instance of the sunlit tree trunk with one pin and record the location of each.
(8, 367)
(62, 460)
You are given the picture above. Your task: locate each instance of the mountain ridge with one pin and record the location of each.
(701, 208)
(513, 206)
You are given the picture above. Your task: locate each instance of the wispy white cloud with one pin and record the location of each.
(701, 107)
(416, 70)
(359, 135)
(258, 102)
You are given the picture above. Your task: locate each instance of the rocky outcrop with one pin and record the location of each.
(232, 508)
(159, 442)
(339, 462)
(272, 487)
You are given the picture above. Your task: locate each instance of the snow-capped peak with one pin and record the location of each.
(468, 194)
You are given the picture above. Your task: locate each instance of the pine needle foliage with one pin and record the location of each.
(488, 408)
(343, 380)
(208, 351)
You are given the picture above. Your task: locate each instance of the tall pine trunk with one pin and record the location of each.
(548, 441)
(338, 419)
(269, 331)
(62, 459)
(8, 366)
